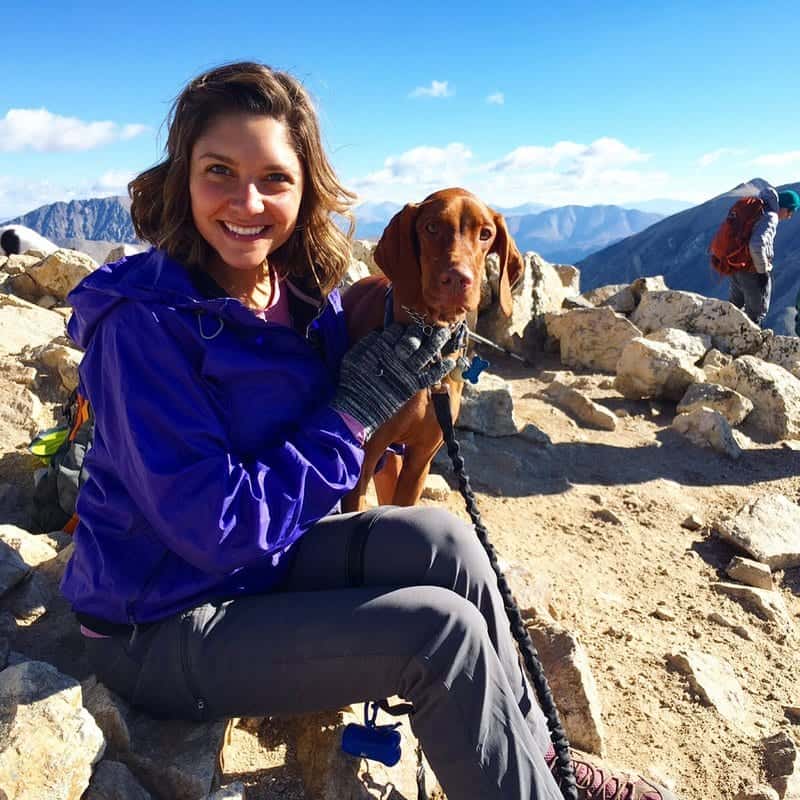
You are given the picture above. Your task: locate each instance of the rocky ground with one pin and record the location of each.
(633, 584)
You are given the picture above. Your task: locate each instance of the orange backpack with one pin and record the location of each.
(730, 247)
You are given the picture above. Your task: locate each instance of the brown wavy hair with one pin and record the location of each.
(160, 203)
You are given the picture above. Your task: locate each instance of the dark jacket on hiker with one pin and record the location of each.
(215, 448)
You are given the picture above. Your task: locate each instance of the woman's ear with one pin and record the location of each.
(397, 253)
(512, 264)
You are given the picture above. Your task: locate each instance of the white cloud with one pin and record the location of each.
(40, 130)
(19, 195)
(778, 159)
(112, 182)
(496, 99)
(604, 171)
(436, 89)
(421, 166)
(707, 159)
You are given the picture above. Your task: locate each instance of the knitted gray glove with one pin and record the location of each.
(386, 368)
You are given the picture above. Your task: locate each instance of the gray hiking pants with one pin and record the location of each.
(752, 291)
(425, 622)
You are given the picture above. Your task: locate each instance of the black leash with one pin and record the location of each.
(533, 665)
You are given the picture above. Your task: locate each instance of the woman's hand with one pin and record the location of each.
(386, 368)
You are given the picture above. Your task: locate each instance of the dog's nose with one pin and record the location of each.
(457, 279)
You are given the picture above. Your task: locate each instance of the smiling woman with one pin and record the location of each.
(212, 573)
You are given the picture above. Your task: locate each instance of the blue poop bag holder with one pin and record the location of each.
(373, 741)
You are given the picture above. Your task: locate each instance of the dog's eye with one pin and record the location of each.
(432, 227)
(486, 234)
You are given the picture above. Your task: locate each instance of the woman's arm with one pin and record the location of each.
(171, 452)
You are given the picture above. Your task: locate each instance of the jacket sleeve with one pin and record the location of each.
(171, 452)
(762, 240)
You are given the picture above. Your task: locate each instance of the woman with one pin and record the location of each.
(211, 574)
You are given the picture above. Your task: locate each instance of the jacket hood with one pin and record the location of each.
(151, 277)
(770, 197)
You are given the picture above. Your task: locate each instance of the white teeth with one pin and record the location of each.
(243, 231)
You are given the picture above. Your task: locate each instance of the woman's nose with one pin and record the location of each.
(249, 198)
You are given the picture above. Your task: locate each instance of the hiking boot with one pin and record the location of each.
(596, 781)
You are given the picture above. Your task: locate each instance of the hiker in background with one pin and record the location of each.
(752, 289)
(211, 575)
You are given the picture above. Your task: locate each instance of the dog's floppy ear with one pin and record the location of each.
(397, 253)
(512, 264)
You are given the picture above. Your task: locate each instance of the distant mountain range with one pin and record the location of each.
(559, 234)
(106, 218)
(677, 248)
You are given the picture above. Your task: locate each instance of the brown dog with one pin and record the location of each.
(433, 253)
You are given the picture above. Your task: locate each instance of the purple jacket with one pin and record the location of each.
(214, 449)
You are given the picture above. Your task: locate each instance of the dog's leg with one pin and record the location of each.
(386, 479)
(416, 466)
(356, 500)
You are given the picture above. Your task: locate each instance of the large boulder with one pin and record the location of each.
(729, 328)
(591, 337)
(49, 742)
(774, 392)
(655, 369)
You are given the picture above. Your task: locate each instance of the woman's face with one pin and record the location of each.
(245, 186)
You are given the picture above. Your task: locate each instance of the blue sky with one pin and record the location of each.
(550, 102)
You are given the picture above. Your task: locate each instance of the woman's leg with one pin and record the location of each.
(293, 652)
(392, 546)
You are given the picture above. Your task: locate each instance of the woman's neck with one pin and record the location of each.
(254, 288)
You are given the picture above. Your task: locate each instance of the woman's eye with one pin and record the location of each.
(277, 177)
(486, 234)
(219, 169)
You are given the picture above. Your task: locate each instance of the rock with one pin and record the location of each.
(714, 681)
(13, 569)
(25, 324)
(654, 369)
(739, 630)
(109, 712)
(570, 277)
(767, 528)
(767, 604)
(694, 522)
(780, 755)
(618, 297)
(591, 338)
(607, 515)
(732, 405)
(33, 550)
(641, 286)
(60, 272)
(328, 773)
(114, 781)
(62, 361)
(729, 328)
(695, 345)
(753, 573)
(488, 408)
(774, 392)
(356, 270)
(757, 792)
(584, 409)
(435, 488)
(49, 742)
(123, 251)
(363, 250)
(566, 665)
(707, 428)
(783, 351)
